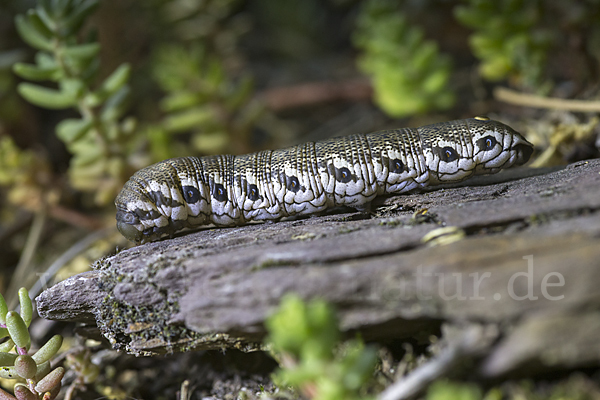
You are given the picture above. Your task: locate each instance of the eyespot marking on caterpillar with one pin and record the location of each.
(486, 143)
(447, 154)
(344, 175)
(191, 194)
(253, 192)
(293, 184)
(396, 166)
(219, 192)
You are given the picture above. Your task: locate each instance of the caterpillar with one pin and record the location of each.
(351, 171)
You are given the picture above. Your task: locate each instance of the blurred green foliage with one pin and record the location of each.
(27, 176)
(523, 40)
(575, 387)
(305, 337)
(509, 39)
(409, 74)
(97, 140)
(192, 66)
(201, 99)
(206, 21)
(33, 373)
(447, 390)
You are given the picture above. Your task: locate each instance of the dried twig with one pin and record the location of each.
(306, 94)
(184, 393)
(24, 267)
(531, 100)
(472, 341)
(74, 218)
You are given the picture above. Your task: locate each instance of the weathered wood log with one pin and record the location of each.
(528, 261)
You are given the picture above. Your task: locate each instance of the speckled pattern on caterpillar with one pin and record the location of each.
(228, 190)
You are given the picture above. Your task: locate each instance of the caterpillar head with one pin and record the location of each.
(472, 147)
(149, 204)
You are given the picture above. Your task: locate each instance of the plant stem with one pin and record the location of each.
(31, 244)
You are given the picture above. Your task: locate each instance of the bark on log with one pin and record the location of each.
(529, 262)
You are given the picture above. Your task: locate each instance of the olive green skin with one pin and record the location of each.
(351, 171)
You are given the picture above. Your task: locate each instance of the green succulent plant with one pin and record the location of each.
(33, 373)
(509, 38)
(409, 74)
(201, 99)
(306, 339)
(98, 140)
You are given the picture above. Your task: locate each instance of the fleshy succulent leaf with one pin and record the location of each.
(48, 350)
(50, 381)
(26, 306)
(18, 330)
(25, 366)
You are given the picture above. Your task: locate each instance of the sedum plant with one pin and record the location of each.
(509, 39)
(98, 139)
(33, 373)
(201, 99)
(306, 340)
(409, 74)
(208, 101)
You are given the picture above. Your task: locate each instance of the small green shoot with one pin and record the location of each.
(305, 338)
